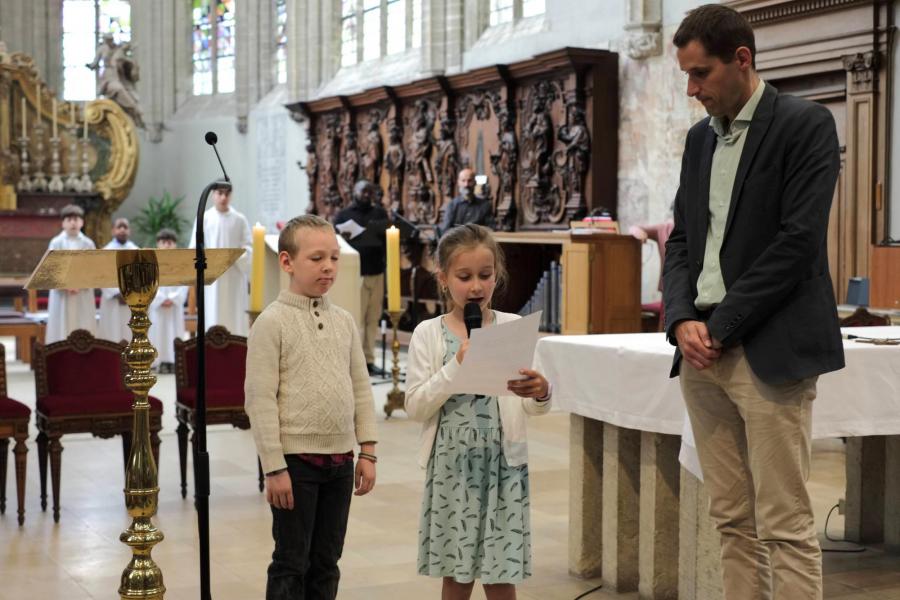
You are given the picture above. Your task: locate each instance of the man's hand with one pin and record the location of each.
(167, 302)
(279, 492)
(365, 477)
(697, 346)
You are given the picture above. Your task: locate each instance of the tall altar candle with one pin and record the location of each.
(37, 99)
(392, 236)
(84, 115)
(258, 276)
(24, 118)
(73, 108)
(55, 133)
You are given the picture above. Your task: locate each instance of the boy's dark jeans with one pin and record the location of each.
(310, 538)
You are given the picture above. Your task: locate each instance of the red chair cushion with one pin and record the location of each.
(96, 372)
(214, 398)
(654, 307)
(65, 405)
(225, 368)
(13, 409)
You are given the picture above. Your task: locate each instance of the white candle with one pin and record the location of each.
(55, 134)
(38, 99)
(73, 108)
(84, 114)
(24, 117)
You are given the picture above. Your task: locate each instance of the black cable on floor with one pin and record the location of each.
(831, 539)
(590, 591)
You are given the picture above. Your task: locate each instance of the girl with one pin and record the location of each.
(475, 521)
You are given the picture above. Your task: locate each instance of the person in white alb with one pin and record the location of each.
(114, 313)
(68, 310)
(228, 299)
(167, 312)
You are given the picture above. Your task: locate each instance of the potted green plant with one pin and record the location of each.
(158, 214)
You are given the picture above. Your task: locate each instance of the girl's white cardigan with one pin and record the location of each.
(427, 382)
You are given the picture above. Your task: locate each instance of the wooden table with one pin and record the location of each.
(26, 331)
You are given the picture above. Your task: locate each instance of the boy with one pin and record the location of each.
(227, 298)
(308, 397)
(167, 312)
(114, 313)
(68, 310)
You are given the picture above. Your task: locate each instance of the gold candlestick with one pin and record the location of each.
(56, 182)
(39, 181)
(396, 397)
(138, 272)
(72, 181)
(24, 184)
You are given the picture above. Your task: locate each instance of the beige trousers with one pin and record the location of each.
(753, 441)
(371, 298)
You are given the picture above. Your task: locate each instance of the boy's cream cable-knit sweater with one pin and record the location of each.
(307, 388)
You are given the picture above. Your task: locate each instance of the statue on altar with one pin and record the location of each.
(118, 76)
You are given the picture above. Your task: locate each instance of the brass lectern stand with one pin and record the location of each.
(137, 274)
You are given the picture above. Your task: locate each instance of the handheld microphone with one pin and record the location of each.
(472, 317)
(211, 139)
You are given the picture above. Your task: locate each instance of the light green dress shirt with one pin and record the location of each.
(729, 146)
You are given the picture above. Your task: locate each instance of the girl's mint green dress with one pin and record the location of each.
(475, 510)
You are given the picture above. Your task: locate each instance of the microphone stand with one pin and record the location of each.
(201, 456)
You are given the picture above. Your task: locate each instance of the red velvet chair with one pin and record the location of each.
(14, 417)
(226, 363)
(80, 390)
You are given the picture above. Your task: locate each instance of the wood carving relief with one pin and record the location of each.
(542, 133)
(395, 163)
(419, 173)
(349, 169)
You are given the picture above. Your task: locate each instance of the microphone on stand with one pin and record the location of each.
(201, 456)
(472, 317)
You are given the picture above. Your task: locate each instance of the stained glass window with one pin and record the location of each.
(501, 11)
(371, 29)
(85, 22)
(281, 40)
(349, 50)
(532, 8)
(213, 41)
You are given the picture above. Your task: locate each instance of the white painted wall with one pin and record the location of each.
(183, 163)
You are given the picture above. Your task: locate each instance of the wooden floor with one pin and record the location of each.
(82, 557)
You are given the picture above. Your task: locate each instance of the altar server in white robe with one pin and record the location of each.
(114, 313)
(69, 310)
(167, 312)
(228, 299)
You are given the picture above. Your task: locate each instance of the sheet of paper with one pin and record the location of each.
(495, 356)
(350, 227)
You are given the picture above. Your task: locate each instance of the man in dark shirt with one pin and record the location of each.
(370, 245)
(467, 207)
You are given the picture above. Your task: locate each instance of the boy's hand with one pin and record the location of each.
(365, 477)
(279, 491)
(533, 386)
(461, 353)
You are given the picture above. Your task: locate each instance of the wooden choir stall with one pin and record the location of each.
(541, 134)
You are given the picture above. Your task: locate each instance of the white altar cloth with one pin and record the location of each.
(623, 379)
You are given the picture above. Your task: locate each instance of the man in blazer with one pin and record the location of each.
(749, 303)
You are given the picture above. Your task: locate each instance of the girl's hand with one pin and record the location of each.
(365, 476)
(461, 353)
(533, 386)
(279, 491)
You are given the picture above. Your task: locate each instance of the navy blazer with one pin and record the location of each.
(779, 302)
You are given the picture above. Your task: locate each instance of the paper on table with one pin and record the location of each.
(351, 227)
(495, 356)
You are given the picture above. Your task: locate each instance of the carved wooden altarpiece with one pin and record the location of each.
(543, 131)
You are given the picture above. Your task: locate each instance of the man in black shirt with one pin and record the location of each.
(467, 207)
(370, 245)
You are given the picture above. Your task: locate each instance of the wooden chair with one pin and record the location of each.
(80, 390)
(226, 358)
(14, 417)
(863, 318)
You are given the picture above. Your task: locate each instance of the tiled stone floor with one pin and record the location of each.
(81, 557)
